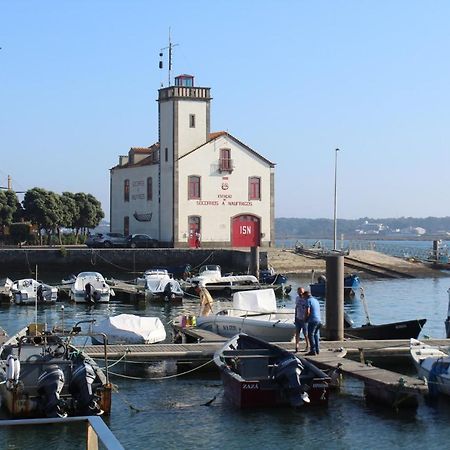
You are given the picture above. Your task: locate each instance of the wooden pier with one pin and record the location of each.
(385, 386)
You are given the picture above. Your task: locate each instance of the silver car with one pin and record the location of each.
(106, 240)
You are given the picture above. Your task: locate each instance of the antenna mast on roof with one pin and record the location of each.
(169, 63)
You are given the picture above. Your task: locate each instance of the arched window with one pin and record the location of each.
(149, 188)
(254, 188)
(193, 187)
(126, 191)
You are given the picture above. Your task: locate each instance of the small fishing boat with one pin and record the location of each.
(432, 364)
(351, 284)
(159, 285)
(254, 312)
(258, 374)
(42, 374)
(405, 329)
(29, 292)
(90, 287)
(129, 329)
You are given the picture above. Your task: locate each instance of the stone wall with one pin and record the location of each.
(73, 260)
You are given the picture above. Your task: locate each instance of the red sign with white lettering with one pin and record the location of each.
(245, 231)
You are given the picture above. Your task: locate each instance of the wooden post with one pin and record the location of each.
(254, 261)
(334, 307)
(91, 438)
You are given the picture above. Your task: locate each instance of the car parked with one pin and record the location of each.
(141, 240)
(106, 240)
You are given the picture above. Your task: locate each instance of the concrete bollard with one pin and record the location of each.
(334, 307)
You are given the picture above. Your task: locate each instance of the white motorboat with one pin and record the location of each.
(90, 287)
(255, 313)
(6, 285)
(43, 374)
(129, 329)
(210, 276)
(432, 364)
(28, 291)
(159, 285)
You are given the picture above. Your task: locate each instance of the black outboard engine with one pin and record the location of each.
(81, 389)
(50, 384)
(40, 294)
(96, 296)
(322, 279)
(88, 291)
(287, 374)
(168, 291)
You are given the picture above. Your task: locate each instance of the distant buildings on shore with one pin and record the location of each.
(380, 229)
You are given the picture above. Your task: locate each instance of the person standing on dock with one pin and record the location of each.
(206, 301)
(314, 322)
(299, 320)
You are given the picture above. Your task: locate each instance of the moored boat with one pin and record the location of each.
(351, 284)
(433, 364)
(395, 330)
(129, 329)
(258, 374)
(159, 285)
(254, 312)
(29, 291)
(90, 287)
(42, 374)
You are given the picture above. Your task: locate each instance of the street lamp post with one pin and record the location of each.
(335, 200)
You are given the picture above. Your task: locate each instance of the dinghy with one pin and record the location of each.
(258, 374)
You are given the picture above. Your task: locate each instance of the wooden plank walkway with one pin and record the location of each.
(206, 348)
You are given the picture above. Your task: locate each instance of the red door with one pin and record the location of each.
(194, 231)
(245, 231)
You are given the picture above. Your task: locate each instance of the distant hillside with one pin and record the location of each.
(364, 227)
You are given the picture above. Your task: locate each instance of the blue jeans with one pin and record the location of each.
(314, 335)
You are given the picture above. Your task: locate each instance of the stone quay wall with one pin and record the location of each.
(74, 260)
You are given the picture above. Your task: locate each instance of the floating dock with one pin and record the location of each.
(384, 386)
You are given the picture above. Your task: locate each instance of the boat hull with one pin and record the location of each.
(276, 330)
(351, 284)
(254, 375)
(398, 330)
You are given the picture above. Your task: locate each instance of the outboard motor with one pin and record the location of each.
(96, 296)
(40, 294)
(287, 374)
(81, 389)
(322, 279)
(88, 291)
(168, 291)
(50, 384)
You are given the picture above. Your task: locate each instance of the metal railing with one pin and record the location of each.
(96, 429)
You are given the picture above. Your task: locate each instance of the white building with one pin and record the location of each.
(193, 182)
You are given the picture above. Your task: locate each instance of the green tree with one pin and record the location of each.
(8, 206)
(90, 212)
(44, 209)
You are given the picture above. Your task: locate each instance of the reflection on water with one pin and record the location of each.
(171, 413)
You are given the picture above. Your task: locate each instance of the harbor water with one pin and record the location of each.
(189, 411)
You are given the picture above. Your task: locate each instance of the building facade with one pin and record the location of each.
(193, 186)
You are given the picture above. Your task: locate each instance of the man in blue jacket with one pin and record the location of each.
(314, 322)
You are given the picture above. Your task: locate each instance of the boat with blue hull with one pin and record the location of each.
(351, 284)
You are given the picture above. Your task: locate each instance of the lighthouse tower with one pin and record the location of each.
(184, 125)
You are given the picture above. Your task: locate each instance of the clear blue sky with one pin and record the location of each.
(291, 79)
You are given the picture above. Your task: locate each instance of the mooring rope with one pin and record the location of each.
(161, 378)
